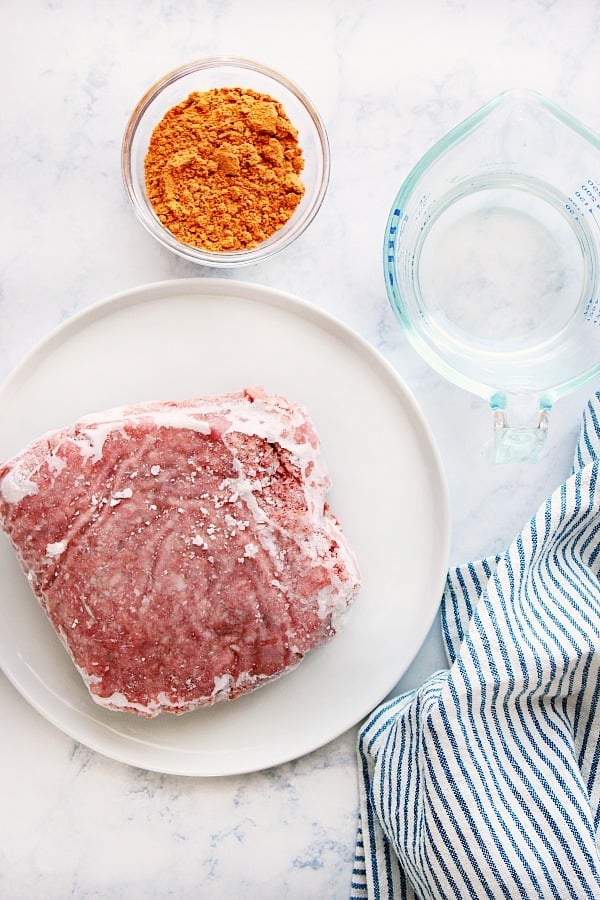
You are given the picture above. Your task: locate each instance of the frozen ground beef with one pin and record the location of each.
(183, 551)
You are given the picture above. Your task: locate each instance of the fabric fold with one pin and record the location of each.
(485, 781)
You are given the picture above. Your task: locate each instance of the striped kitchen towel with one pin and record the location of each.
(485, 782)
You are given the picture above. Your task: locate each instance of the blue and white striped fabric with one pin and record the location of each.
(485, 782)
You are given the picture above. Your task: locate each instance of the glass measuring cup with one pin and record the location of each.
(491, 259)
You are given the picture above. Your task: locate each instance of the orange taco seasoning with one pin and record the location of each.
(222, 170)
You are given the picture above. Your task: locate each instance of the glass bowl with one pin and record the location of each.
(203, 75)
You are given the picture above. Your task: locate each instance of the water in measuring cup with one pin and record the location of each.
(502, 266)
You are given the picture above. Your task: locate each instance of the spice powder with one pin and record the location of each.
(222, 170)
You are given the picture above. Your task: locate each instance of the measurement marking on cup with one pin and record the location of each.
(586, 199)
(592, 312)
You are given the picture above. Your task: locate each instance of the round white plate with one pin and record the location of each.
(190, 337)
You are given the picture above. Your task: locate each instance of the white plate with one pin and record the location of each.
(195, 336)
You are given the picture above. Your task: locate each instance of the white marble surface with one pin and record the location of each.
(389, 79)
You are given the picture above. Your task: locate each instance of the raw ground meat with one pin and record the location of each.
(183, 551)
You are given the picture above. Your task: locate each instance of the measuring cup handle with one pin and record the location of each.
(518, 443)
